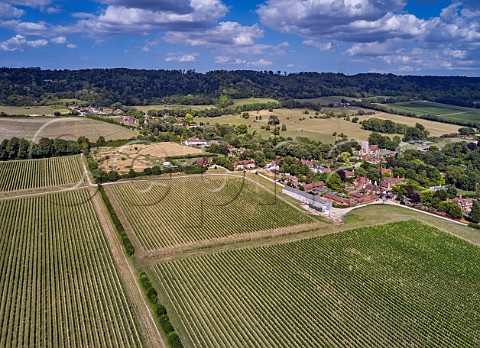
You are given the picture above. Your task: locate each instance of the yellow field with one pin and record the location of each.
(322, 129)
(435, 128)
(317, 129)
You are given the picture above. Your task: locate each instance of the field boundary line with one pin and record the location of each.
(161, 254)
(149, 327)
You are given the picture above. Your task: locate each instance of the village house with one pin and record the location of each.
(272, 166)
(360, 183)
(195, 141)
(339, 200)
(245, 164)
(292, 179)
(361, 199)
(349, 174)
(387, 183)
(314, 185)
(129, 121)
(204, 162)
(465, 203)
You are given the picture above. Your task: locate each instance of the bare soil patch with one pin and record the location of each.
(139, 156)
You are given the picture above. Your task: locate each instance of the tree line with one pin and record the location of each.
(19, 148)
(103, 87)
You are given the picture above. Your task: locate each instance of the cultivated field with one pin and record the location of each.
(59, 285)
(33, 110)
(139, 156)
(39, 173)
(182, 211)
(397, 285)
(68, 128)
(430, 108)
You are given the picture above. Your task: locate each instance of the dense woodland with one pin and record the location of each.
(102, 87)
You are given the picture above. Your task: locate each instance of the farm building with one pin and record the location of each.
(308, 198)
(245, 164)
(195, 141)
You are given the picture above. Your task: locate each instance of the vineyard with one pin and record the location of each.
(172, 212)
(59, 285)
(396, 285)
(38, 173)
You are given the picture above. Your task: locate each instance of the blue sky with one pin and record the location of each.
(424, 37)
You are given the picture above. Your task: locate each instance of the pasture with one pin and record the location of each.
(173, 212)
(401, 284)
(44, 110)
(453, 112)
(300, 124)
(316, 129)
(41, 173)
(68, 128)
(59, 284)
(236, 102)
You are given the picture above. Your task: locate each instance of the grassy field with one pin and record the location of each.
(402, 284)
(328, 100)
(444, 110)
(33, 110)
(183, 211)
(59, 284)
(435, 128)
(68, 128)
(145, 108)
(300, 124)
(236, 102)
(246, 101)
(40, 173)
(317, 129)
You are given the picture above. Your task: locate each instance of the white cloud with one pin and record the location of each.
(19, 42)
(145, 16)
(30, 3)
(313, 17)
(59, 40)
(182, 58)
(238, 61)
(327, 46)
(225, 33)
(8, 11)
(72, 46)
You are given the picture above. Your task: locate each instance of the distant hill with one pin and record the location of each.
(34, 86)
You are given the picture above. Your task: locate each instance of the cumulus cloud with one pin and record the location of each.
(326, 46)
(19, 42)
(225, 34)
(59, 40)
(183, 58)
(260, 63)
(8, 11)
(142, 17)
(315, 17)
(178, 6)
(62, 40)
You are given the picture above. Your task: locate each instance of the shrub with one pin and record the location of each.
(165, 324)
